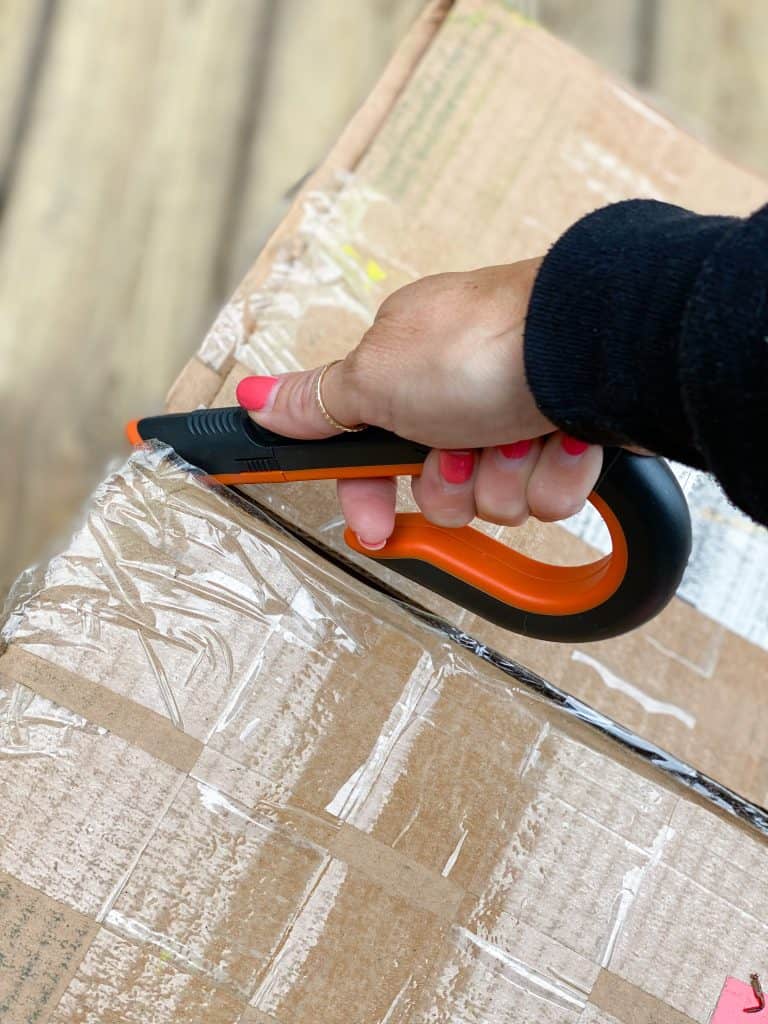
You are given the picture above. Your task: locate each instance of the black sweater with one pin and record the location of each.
(648, 325)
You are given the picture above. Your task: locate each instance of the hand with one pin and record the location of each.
(442, 365)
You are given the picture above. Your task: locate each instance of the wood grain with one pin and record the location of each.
(111, 237)
(607, 30)
(24, 25)
(710, 69)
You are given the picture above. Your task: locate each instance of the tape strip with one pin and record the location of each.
(142, 727)
(42, 943)
(630, 1004)
(396, 874)
(252, 1016)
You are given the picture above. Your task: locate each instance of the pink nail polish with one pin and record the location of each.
(572, 445)
(253, 392)
(372, 545)
(518, 450)
(457, 467)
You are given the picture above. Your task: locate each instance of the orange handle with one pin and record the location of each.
(647, 518)
(507, 575)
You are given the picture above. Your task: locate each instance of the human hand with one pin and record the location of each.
(442, 365)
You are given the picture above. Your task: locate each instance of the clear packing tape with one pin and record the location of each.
(344, 257)
(244, 787)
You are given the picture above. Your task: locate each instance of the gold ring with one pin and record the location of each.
(319, 396)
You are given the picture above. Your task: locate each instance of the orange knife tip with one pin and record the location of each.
(132, 433)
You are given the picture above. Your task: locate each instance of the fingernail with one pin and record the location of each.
(457, 467)
(518, 450)
(253, 393)
(372, 545)
(572, 445)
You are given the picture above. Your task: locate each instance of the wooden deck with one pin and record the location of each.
(145, 150)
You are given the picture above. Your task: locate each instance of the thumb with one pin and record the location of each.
(289, 405)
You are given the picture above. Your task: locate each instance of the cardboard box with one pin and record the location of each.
(487, 138)
(240, 787)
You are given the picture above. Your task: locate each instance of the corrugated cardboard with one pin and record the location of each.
(237, 786)
(352, 820)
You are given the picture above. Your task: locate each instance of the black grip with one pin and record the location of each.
(647, 500)
(227, 441)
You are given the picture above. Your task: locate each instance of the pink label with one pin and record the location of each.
(737, 997)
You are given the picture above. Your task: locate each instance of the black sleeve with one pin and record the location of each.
(648, 325)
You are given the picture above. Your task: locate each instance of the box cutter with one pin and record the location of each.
(638, 497)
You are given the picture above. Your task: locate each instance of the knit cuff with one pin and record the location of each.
(603, 327)
(729, 309)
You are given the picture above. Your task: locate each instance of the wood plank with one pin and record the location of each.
(709, 71)
(111, 239)
(23, 24)
(609, 31)
(703, 64)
